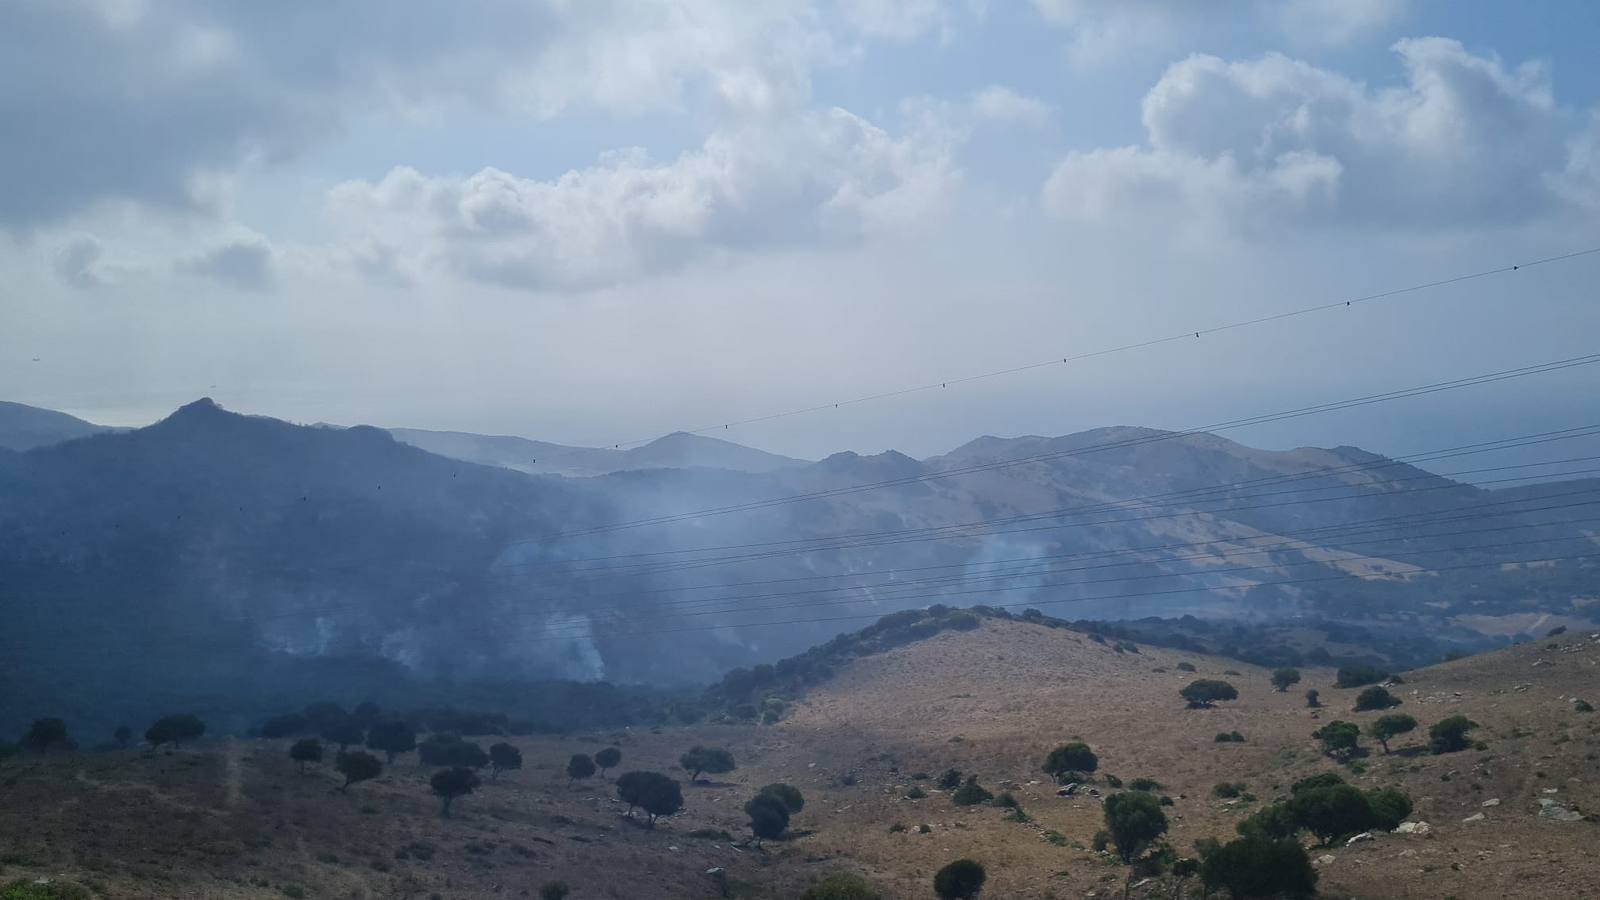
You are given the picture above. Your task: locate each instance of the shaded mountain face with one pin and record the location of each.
(25, 427)
(215, 554)
(674, 451)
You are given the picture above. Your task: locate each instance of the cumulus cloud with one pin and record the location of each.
(1100, 31)
(1334, 22)
(817, 177)
(77, 261)
(137, 101)
(1241, 145)
(1001, 104)
(244, 263)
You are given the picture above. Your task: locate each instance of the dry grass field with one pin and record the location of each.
(233, 818)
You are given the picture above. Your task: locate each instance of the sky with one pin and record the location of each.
(599, 221)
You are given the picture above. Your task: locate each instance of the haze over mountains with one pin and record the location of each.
(217, 554)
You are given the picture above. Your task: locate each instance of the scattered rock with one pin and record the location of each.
(1475, 817)
(1363, 836)
(1413, 828)
(1492, 802)
(1551, 811)
(1326, 859)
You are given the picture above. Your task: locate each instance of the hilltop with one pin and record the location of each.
(232, 818)
(25, 427)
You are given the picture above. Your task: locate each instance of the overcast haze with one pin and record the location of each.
(602, 221)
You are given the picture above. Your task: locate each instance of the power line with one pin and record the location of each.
(1186, 334)
(1315, 409)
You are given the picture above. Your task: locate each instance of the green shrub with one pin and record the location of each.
(1375, 698)
(960, 880)
(1450, 735)
(1203, 692)
(1359, 676)
(1144, 784)
(1251, 868)
(1070, 758)
(1283, 679)
(1134, 820)
(1227, 790)
(841, 887)
(1340, 740)
(971, 793)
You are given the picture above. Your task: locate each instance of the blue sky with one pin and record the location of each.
(590, 222)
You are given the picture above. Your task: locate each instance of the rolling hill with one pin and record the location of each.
(25, 427)
(213, 537)
(231, 817)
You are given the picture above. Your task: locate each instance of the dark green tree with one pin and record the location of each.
(123, 736)
(1283, 679)
(1340, 740)
(1070, 758)
(174, 730)
(287, 725)
(971, 793)
(579, 766)
(1359, 676)
(357, 765)
(1203, 692)
(1450, 735)
(708, 760)
(607, 759)
(1134, 820)
(503, 758)
(769, 818)
(1389, 807)
(451, 783)
(1273, 822)
(1255, 869)
(652, 792)
(1389, 726)
(451, 751)
(344, 733)
(960, 880)
(46, 734)
(306, 750)
(1313, 699)
(392, 737)
(788, 795)
(1332, 811)
(323, 715)
(1375, 697)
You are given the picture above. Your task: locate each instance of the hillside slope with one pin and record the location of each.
(234, 819)
(25, 427)
(674, 451)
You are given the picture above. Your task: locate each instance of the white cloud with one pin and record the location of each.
(1335, 22)
(1001, 104)
(1243, 145)
(245, 263)
(77, 262)
(1100, 32)
(819, 177)
(142, 101)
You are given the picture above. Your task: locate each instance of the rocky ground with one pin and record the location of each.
(235, 818)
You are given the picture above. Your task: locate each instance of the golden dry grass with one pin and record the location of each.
(235, 819)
